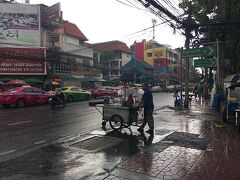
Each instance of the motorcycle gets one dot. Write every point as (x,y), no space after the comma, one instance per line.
(57,99)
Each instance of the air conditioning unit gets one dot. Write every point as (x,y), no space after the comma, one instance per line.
(12,1)
(27,1)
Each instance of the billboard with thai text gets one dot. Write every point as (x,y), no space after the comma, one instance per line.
(22,61)
(19,24)
(22,67)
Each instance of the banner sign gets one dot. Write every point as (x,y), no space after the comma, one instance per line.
(22,67)
(26,53)
(51,13)
(20,24)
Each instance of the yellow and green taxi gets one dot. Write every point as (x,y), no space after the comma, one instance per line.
(74,93)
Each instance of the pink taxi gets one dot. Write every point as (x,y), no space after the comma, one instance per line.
(25,95)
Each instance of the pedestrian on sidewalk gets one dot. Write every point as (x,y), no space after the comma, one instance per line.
(147,104)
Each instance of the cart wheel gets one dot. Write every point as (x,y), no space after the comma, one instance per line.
(116,122)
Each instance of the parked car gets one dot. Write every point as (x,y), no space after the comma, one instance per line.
(156,89)
(171,88)
(25,95)
(104,91)
(74,93)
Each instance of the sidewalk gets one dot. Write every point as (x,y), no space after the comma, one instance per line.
(202,149)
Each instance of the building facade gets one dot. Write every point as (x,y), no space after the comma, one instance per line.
(37,36)
(111,57)
(164,60)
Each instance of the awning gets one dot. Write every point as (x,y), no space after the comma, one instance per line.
(6,79)
(33,80)
(232,78)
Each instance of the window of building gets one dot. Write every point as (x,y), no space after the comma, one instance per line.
(115,72)
(114,64)
(149,54)
(118,55)
(158,53)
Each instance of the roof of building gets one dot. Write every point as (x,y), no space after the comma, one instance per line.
(135,64)
(72,30)
(110,46)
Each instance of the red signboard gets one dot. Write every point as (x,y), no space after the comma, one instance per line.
(52,13)
(22,67)
(29,53)
(139,50)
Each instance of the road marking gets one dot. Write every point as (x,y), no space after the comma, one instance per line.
(7,152)
(23,122)
(40,142)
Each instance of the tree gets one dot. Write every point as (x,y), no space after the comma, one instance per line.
(219,19)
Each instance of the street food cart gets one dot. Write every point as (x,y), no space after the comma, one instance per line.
(119,116)
(232,102)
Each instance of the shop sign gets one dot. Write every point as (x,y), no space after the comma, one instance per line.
(26,53)
(51,13)
(22,67)
(62,68)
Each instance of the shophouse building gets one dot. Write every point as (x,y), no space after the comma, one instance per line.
(110,57)
(164,60)
(69,61)
(35,42)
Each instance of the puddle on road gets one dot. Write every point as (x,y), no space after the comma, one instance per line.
(96,143)
(187,140)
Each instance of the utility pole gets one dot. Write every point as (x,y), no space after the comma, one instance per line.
(154,21)
(187,43)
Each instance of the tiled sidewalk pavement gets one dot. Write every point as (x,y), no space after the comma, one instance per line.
(221,159)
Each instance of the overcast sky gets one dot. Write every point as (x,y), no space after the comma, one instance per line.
(107,20)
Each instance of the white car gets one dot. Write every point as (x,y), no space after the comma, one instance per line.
(156,89)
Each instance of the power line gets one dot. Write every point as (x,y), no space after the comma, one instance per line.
(132,6)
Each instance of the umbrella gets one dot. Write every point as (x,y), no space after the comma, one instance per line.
(232,78)
(16,82)
(33,80)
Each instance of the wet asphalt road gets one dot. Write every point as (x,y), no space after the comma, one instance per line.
(30,127)
(40,143)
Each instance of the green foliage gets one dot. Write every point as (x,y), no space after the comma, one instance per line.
(212,12)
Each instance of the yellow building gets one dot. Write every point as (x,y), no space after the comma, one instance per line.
(153,51)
